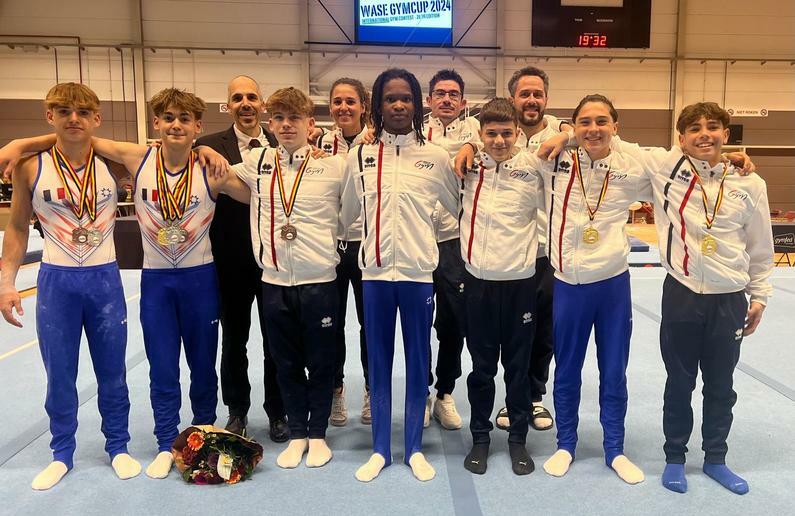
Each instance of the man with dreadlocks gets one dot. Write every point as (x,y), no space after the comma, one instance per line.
(395,184)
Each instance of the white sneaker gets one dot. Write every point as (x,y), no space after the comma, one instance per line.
(427,422)
(339,414)
(444,411)
(367,417)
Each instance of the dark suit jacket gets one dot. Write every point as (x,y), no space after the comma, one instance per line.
(230,232)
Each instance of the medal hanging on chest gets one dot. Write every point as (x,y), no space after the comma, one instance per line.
(84,200)
(709,244)
(590,235)
(288,232)
(173,202)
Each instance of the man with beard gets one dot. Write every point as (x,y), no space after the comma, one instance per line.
(238,272)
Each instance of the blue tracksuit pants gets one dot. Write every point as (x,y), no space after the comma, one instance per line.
(180,305)
(605,306)
(69,300)
(382,300)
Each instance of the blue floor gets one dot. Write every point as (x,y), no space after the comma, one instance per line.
(760,449)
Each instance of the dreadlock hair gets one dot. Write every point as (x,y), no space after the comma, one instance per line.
(416,95)
(361,91)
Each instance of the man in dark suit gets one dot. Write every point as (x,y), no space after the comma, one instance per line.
(239,275)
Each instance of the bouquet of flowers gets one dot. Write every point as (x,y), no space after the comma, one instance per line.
(210,455)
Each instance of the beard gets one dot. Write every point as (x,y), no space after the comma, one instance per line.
(528,120)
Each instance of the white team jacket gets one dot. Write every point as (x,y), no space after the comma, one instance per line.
(574,260)
(551,128)
(333,142)
(744,258)
(312,257)
(498,219)
(450,138)
(394,184)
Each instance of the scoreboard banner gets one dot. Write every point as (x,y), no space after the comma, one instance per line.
(407,22)
(591,23)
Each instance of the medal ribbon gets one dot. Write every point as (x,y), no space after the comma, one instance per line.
(173,203)
(87,187)
(591,212)
(287,205)
(718,201)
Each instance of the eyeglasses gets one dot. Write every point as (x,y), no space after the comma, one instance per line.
(440,94)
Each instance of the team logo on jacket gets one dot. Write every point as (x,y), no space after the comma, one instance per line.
(465,136)
(369,161)
(325,322)
(194,200)
(266,168)
(105,192)
(527,317)
(314,171)
(738,334)
(327,147)
(738,194)
(519,174)
(429,301)
(564,167)
(618,176)
(685,175)
(423,165)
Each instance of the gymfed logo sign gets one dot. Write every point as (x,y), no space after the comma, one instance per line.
(784,240)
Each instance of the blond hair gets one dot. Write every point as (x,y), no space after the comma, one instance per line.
(180,99)
(73,94)
(290,100)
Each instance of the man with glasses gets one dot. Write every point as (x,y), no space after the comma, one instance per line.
(446,128)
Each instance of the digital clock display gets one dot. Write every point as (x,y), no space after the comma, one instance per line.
(592,40)
(591,24)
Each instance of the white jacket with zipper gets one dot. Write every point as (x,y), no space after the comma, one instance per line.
(312,256)
(394,185)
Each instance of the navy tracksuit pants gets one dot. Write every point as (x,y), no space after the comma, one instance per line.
(382,300)
(605,306)
(500,326)
(69,300)
(450,324)
(301,325)
(180,306)
(706,331)
(348,271)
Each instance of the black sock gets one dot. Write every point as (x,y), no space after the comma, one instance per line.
(521,463)
(477,459)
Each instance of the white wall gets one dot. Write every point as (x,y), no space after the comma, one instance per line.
(713,29)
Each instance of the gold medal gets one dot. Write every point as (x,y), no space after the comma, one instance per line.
(288,232)
(162,236)
(80,236)
(709,245)
(590,235)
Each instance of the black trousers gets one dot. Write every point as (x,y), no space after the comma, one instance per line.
(448,285)
(348,272)
(301,323)
(699,330)
(543,349)
(239,286)
(501,319)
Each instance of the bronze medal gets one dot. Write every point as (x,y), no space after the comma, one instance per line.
(80,236)
(289,232)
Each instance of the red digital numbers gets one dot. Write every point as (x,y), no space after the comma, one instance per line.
(592,40)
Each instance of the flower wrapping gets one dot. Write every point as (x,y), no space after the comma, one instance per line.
(211,455)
